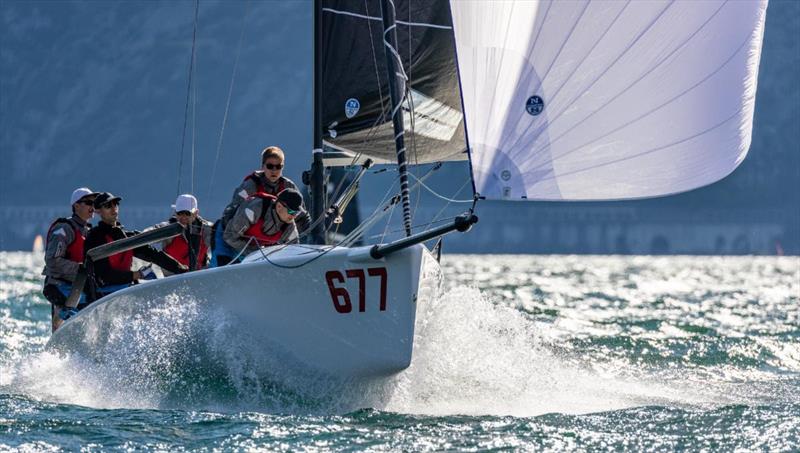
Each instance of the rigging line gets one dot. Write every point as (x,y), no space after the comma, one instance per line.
(188,96)
(420,225)
(456,194)
(374,58)
(361,16)
(194,123)
(230,95)
(442,197)
(381,209)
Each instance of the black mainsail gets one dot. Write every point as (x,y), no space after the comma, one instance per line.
(356,104)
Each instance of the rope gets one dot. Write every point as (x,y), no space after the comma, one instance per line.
(230,95)
(188,95)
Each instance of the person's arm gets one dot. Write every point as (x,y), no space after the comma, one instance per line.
(245,216)
(102,268)
(206,235)
(156,245)
(290,235)
(54,257)
(303,218)
(151,255)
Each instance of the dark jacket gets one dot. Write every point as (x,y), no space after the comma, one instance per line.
(104,274)
(250,186)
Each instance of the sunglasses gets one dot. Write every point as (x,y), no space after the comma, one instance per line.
(274,166)
(184,213)
(109,205)
(87,202)
(289,211)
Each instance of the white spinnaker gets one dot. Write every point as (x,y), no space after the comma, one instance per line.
(641,98)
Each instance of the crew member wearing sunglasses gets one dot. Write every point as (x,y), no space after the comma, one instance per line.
(64,254)
(264,220)
(269,180)
(190,248)
(114,273)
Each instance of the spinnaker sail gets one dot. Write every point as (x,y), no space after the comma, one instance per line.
(599,100)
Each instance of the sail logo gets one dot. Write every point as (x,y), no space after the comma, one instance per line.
(351,107)
(535,105)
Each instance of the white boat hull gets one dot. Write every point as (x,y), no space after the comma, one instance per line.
(333,311)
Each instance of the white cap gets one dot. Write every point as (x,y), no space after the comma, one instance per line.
(77,194)
(186,202)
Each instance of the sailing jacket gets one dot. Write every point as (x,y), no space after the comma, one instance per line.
(116,269)
(256,217)
(191,247)
(256,182)
(64,250)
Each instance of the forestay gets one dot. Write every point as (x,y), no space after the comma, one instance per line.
(593,100)
(356,109)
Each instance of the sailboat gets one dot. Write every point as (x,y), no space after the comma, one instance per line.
(544,100)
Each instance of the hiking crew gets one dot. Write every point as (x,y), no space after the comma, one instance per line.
(264,219)
(64,254)
(114,273)
(269,180)
(191,248)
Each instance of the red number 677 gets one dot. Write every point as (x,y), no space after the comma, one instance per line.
(340,296)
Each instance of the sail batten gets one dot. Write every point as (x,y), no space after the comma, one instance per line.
(597,100)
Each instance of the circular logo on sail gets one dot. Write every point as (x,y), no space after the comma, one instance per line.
(351,107)
(535,105)
(506,175)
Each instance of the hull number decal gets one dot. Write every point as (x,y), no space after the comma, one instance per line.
(341,297)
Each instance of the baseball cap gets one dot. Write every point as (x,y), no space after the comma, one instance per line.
(291,198)
(79,193)
(186,202)
(104,198)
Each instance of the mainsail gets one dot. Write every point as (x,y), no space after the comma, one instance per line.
(356,107)
(598,100)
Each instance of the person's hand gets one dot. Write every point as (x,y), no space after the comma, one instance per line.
(147,273)
(137,275)
(66,313)
(183,268)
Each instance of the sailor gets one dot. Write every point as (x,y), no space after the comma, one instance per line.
(114,273)
(264,219)
(268,180)
(192,246)
(64,254)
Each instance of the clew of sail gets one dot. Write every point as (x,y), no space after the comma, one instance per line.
(356,104)
(599,100)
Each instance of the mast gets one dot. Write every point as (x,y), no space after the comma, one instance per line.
(317,180)
(397,90)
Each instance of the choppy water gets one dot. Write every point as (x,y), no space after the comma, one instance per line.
(522,352)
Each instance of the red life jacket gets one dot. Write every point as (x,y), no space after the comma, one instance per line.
(260,188)
(75,249)
(255,229)
(120,261)
(178,248)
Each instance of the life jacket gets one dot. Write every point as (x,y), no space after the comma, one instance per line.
(120,261)
(75,249)
(178,248)
(255,229)
(260,188)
